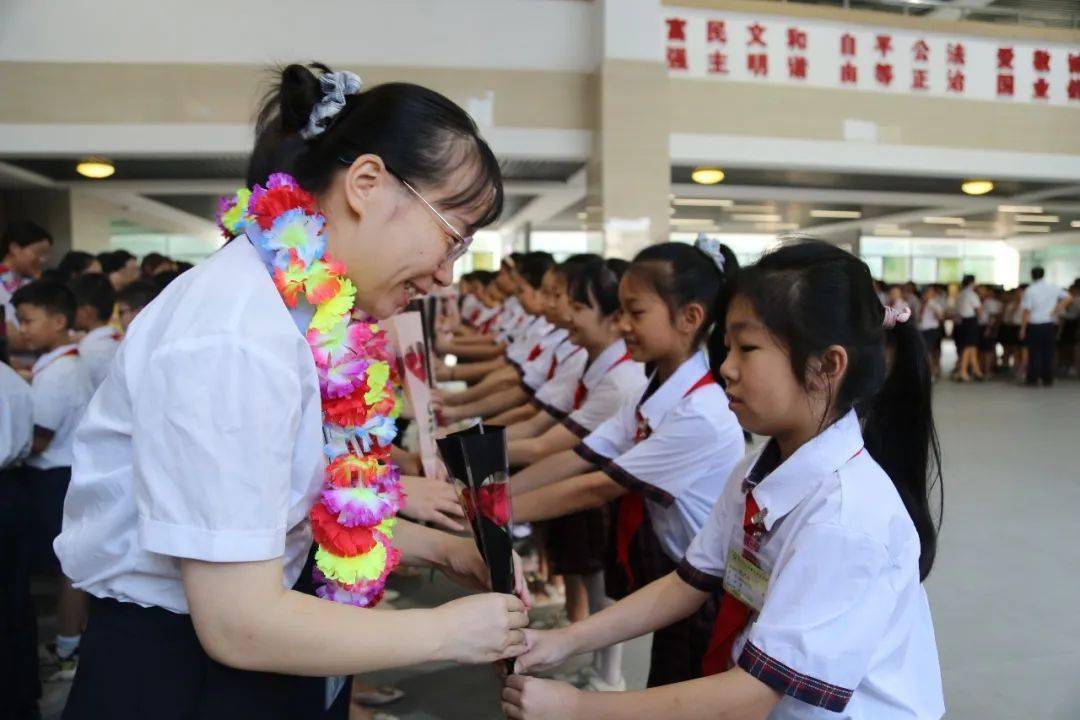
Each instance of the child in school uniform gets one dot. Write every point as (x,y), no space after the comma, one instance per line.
(60,388)
(664,455)
(94,303)
(611,375)
(821,540)
(20,685)
(133,299)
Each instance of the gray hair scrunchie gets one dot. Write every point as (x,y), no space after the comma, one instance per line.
(711,247)
(335,86)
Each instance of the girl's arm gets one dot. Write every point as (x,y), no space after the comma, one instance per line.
(582,492)
(487,406)
(661,603)
(531,428)
(549,470)
(557,439)
(733,695)
(521,413)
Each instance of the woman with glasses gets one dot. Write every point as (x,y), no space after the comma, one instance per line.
(245,401)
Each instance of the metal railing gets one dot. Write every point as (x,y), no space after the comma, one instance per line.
(1069,17)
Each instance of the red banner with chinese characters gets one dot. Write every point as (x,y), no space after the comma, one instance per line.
(739,47)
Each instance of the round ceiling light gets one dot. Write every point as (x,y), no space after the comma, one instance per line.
(707,175)
(95,168)
(977,187)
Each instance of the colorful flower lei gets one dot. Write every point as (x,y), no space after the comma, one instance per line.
(353,519)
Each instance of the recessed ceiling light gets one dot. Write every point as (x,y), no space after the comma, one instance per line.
(1075,223)
(707,175)
(1037,218)
(835,214)
(96,168)
(751,208)
(769,227)
(1032,228)
(1019,209)
(977,187)
(886,231)
(702,202)
(691,221)
(756,218)
(582,216)
(935,220)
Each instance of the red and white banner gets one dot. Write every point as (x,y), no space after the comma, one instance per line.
(738,47)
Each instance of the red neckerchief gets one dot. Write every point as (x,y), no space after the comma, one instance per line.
(555,357)
(69,351)
(632,505)
(582,392)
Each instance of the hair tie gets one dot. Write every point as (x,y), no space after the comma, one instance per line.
(335,86)
(712,248)
(896,315)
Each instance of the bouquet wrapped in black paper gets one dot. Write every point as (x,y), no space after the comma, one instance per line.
(477,461)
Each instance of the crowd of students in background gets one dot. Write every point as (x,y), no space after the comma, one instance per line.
(1027,334)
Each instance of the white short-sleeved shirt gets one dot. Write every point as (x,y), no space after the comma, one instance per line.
(471,307)
(173,461)
(513,314)
(1041,298)
(845,630)
(97,350)
(992,308)
(968,303)
(534,373)
(9,283)
(556,395)
(16,416)
(61,390)
(931,314)
(681,467)
(534,330)
(610,380)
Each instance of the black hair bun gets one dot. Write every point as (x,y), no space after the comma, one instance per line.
(298,93)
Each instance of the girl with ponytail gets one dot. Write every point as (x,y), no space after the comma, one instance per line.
(820,542)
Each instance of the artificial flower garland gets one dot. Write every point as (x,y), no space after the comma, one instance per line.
(353,519)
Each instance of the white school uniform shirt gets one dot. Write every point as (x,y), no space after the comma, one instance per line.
(845,629)
(60,389)
(992,308)
(931,314)
(609,381)
(534,372)
(513,314)
(176,461)
(16,416)
(681,467)
(531,333)
(556,395)
(97,349)
(1041,298)
(471,307)
(968,303)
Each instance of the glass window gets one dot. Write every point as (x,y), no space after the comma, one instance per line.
(923,270)
(876,266)
(896,270)
(948,270)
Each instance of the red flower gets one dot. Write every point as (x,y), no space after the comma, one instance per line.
(350,410)
(338,539)
(267,206)
(494,502)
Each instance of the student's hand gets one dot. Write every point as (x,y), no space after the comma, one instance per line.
(463,564)
(432,501)
(483,628)
(521,583)
(441,473)
(529,698)
(545,649)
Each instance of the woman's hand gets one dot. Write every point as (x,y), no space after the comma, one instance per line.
(545,649)
(529,698)
(462,564)
(483,628)
(432,501)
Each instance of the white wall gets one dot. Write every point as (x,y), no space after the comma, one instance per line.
(515,34)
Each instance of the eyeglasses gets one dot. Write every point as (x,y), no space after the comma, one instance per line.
(459,242)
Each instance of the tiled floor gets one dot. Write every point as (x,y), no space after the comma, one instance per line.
(1005,592)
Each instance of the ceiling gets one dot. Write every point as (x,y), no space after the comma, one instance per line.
(1035,13)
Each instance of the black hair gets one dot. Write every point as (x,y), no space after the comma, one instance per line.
(94,290)
(114,261)
(811,295)
(532,266)
(682,274)
(54,297)
(74,263)
(152,262)
(162,280)
(484,277)
(1038,273)
(22,234)
(421,136)
(53,276)
(597,285)
(968,280)
(138,294)
(511,261)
